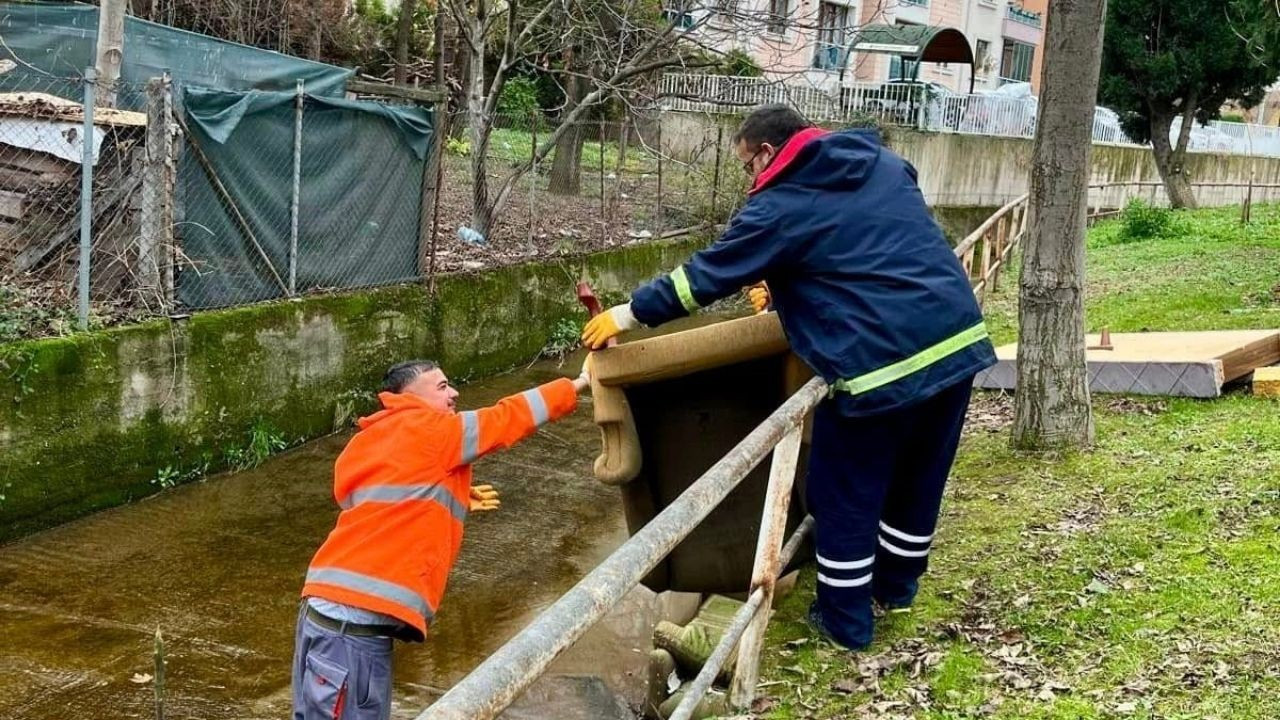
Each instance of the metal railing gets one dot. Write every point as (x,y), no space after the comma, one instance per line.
(492,686)
(1232,137)
(910,104)
(983,115)
(914,104)
(1026,17)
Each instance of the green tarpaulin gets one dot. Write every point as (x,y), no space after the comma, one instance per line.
(52,43)
(360,195)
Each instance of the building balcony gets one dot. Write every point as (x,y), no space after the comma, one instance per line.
(1026,17)
(912,11)
(1023,25)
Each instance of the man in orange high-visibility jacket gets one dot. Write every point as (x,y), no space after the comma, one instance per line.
(404,486)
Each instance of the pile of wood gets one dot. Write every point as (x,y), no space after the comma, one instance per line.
(40,198)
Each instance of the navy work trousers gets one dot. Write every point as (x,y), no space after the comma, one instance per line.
(874,489)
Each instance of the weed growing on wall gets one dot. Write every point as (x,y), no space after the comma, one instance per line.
(262,441)
(564,338)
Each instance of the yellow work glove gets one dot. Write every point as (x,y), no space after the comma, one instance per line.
(759,296)
(617,319)
(484,497)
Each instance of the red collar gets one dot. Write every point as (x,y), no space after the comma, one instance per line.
(784,157)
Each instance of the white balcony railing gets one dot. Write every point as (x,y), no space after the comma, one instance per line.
(924,107)
(1025,17)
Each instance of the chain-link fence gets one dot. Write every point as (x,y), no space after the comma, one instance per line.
(42,152)
(220,198)
(283,194)
(603,183)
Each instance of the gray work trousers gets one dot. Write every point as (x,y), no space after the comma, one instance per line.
(338,676)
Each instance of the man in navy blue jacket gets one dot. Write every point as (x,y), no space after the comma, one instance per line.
(874,300)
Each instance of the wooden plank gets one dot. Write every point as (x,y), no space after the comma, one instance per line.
(20,180)
(418,95)
(1244,360)
(43,106)
(13,204)
(35,161)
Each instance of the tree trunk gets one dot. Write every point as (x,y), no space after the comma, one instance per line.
(566,168)
(1051,406)
(404,33)
(1171,160)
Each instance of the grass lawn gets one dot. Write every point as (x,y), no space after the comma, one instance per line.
(1138,580)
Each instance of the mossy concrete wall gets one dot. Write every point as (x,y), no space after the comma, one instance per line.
(982,171)
(99,419)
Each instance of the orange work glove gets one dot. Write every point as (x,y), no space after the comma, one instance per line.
(759,296)
(484,497)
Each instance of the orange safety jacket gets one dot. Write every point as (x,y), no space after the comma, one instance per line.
(404,484)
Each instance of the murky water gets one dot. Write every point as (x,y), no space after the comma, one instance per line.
(218,565)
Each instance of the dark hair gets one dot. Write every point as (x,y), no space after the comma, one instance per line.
(774,124)
(401,374)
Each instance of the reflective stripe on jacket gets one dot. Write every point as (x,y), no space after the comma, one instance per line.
(403,483)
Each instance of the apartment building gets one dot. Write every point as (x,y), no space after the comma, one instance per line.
(809,39)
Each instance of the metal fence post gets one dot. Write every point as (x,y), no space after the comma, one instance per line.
(604,225)
(297,189)
(715,181)
(533,169)
(86,196)
(658,208)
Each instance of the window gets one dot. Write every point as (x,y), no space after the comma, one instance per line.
(921,3)
(778,10)
(1015,62)
(981,55)
(833,23)
(677,12)
(902,68)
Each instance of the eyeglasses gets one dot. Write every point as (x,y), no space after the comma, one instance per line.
(747,166)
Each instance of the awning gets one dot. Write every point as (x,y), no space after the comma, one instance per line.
(927,43)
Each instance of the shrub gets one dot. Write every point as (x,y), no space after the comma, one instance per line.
(1142,221)
(458,146)
(519,100)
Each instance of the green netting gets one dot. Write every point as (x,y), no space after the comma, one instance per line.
(360,195)
(55,40)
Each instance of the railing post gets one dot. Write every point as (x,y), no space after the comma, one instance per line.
(86,196)
(1002,237)
(985,267)
(295,204)
(764,575)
